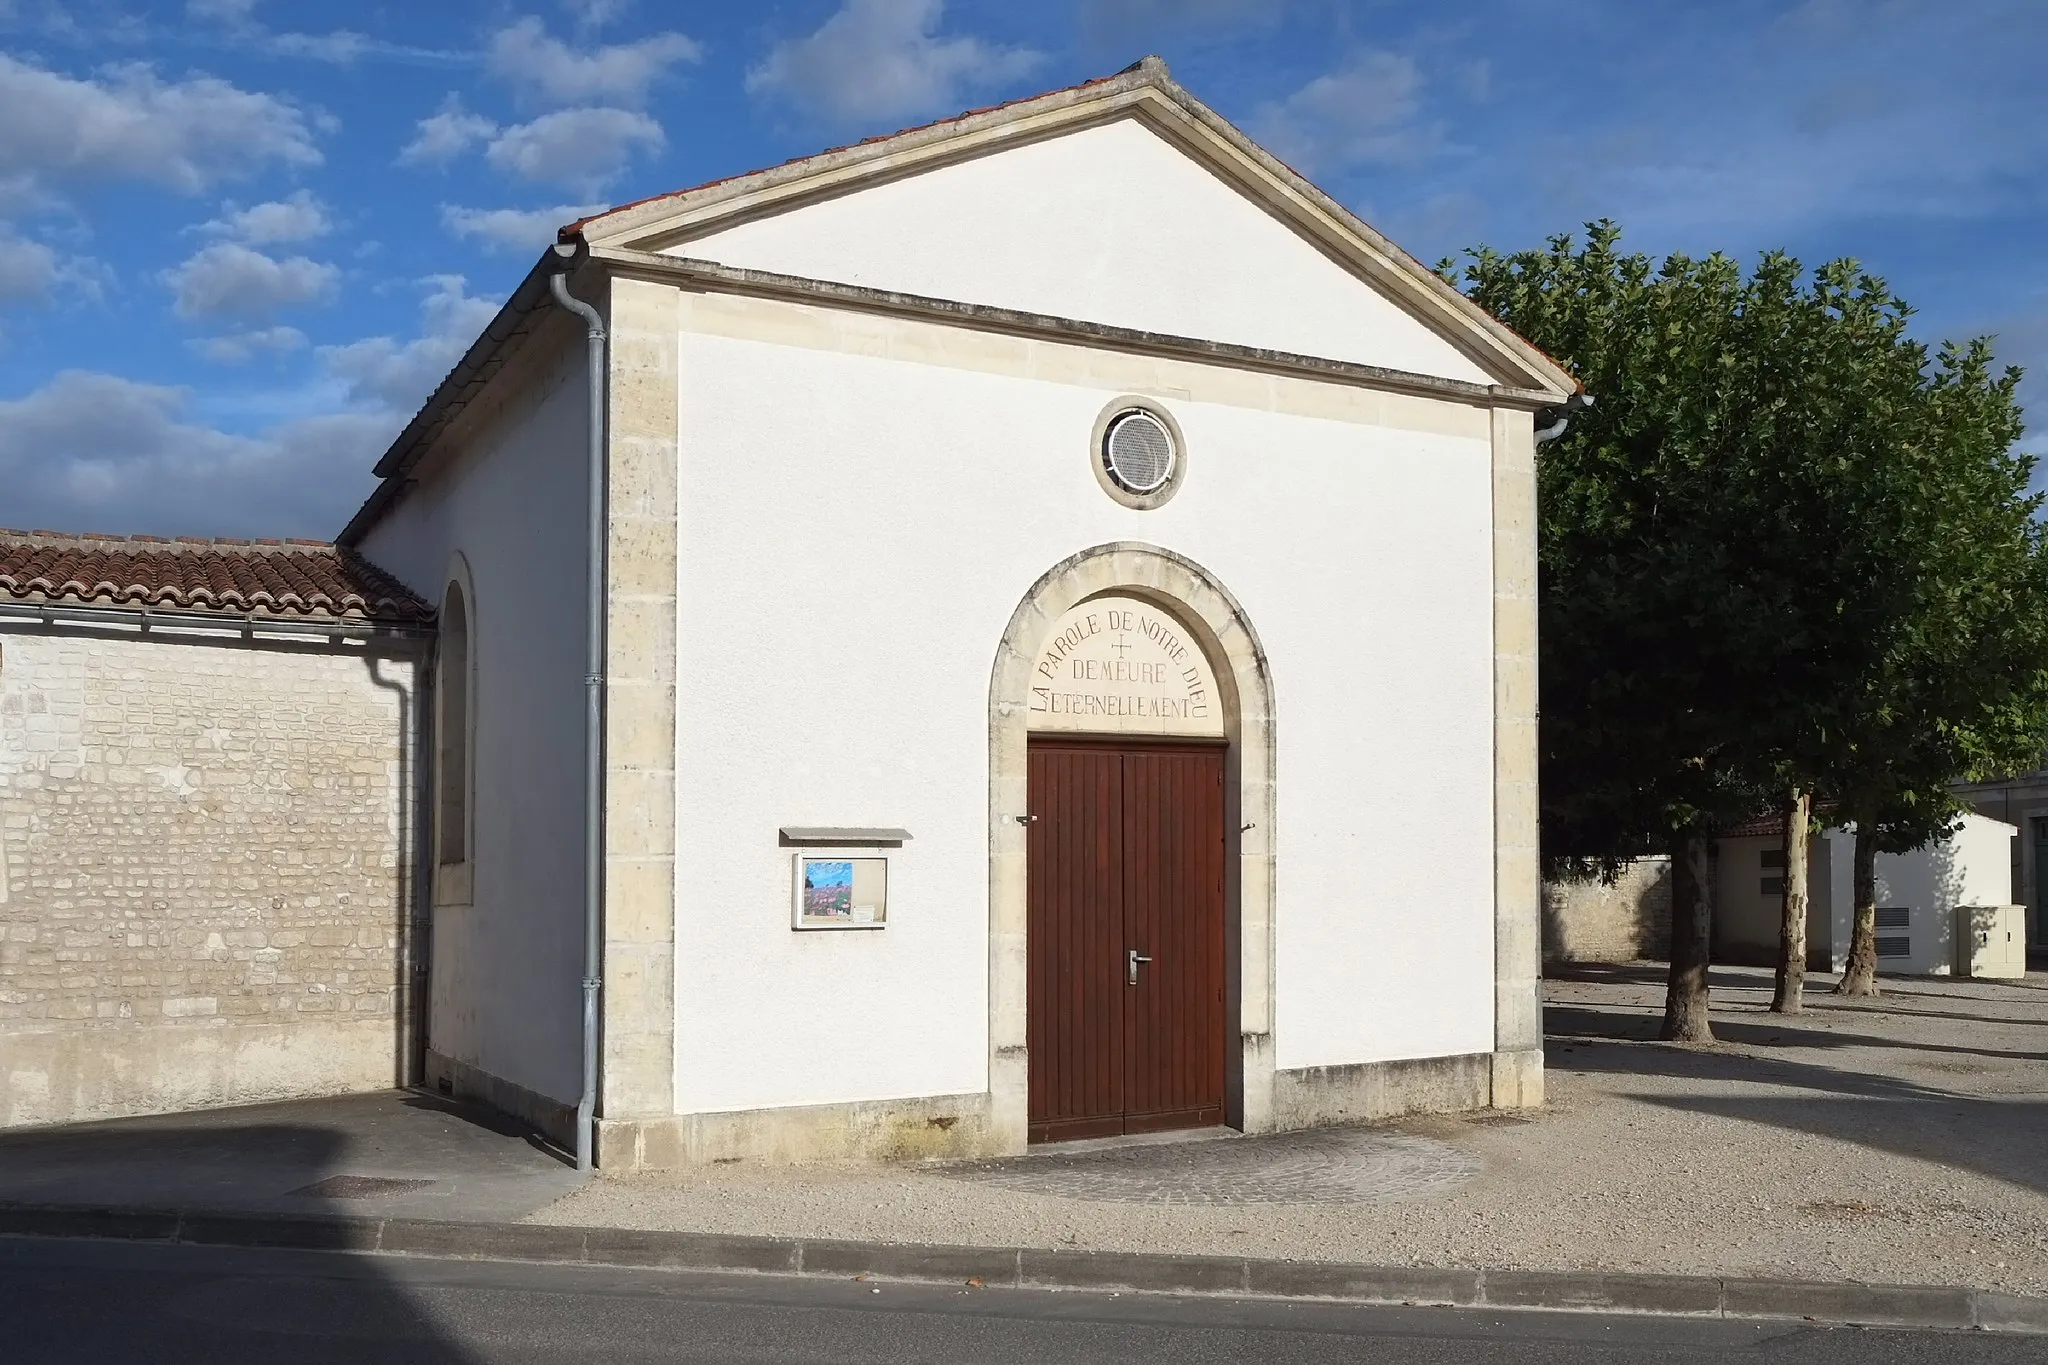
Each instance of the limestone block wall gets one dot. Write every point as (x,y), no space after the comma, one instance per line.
(204,872)
(1592,921)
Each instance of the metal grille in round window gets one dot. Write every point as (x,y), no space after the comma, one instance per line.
(1138,453)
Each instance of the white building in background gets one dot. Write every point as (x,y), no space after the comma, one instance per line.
(1946,907)
(2021,802)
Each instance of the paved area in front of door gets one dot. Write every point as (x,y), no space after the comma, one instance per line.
(391,1154)
(1330,1166)
(1903,1139)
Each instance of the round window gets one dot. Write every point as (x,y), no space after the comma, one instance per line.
(1138,452)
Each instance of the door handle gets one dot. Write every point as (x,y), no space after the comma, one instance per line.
(1131,979)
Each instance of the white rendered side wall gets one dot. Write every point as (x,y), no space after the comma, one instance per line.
(855,534)
(1111,224)
(506,967)
(1982,862)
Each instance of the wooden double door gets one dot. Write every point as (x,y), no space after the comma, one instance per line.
(1126,937)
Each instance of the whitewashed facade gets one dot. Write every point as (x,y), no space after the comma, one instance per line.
(855,422)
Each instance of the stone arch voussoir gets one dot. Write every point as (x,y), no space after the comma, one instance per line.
(1214,617)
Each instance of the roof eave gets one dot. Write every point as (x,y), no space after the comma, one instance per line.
(714,277)
(499,341)
(1145,90)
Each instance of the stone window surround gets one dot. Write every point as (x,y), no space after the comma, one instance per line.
(1151,407)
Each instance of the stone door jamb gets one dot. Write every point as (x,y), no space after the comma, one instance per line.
(1213,617)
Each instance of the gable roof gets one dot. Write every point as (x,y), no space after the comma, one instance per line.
(1145,91)
(300,579)
(631,236)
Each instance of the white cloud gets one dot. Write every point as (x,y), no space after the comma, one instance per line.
(399,375)
(579,149)
(221,11)
(240,28)
(298,217)
(340,47)
(28,270)
(526,230)
(33,271)
(877,59)
(237,347)
(1126,19)
(228,279)
(1363,112)
(545,68)
(92,451)
(128,124)
(446,134)
(596,13)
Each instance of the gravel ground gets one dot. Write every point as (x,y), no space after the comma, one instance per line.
(1903,1139)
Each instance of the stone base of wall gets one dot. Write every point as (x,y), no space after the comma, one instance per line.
(1323,1096)
(960,1126)
(868,1130)
(1518,1079)
(552,1119)
(77,1075)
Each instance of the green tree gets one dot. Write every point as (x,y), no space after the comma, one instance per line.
(1961,690)
(1735,545)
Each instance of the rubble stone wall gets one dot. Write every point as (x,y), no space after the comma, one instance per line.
(1622,921)
(204,872)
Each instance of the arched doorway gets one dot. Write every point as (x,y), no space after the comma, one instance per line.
(1131,854)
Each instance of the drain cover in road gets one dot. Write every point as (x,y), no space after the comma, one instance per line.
(359,1187)
(1329,1167)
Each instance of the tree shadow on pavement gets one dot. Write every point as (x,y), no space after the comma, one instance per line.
(2005,1141)
(1572,1021)
(1643,974)
(1827,1003)
(2002,1138)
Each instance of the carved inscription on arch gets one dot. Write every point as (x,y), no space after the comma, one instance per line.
(1117,665)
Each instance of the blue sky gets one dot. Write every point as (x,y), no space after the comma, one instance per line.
(240,240)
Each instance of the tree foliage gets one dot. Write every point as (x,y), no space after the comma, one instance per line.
(1785,550)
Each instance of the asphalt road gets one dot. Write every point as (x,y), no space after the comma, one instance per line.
(105,1301)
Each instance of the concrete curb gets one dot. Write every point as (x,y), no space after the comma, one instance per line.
(1872,1305)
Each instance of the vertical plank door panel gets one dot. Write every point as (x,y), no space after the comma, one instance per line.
(1074,945)
(1174,912)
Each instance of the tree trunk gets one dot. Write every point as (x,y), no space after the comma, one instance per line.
(1792,915)
(1860,976)
(1692,924)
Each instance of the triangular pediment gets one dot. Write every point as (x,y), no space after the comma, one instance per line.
(1125,203)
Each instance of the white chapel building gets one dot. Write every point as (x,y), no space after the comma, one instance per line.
(1064,658)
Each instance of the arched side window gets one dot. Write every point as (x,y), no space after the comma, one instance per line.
(452,767)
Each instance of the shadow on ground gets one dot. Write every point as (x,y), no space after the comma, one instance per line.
(395,1154)
(1572,1021)
(392,1154)
(2003,1136)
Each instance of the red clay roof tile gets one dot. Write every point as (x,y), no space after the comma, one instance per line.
(306,579)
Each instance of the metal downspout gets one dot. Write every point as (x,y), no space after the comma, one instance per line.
(567,256)
(1562,417)
(425,738)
